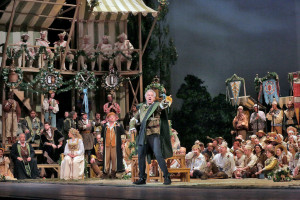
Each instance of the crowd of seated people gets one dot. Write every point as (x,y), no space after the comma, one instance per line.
(118,53)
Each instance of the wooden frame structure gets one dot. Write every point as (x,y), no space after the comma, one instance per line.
(137,91)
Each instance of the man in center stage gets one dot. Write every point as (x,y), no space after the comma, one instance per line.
(154,136)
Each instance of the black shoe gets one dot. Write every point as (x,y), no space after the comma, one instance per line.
(141,181)
(167,181)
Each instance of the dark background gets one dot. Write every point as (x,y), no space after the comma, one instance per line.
(218,38)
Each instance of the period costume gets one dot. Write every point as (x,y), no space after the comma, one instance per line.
(68,124)
(225,163)
(24,169)
(250,163)
(52,136)
(41,42)
(107,51)
(73,168)
(271,165)
(116,108)
(4,167)
(154,136)
(34,126)
(61,45)
(276,120)
(87,135)
(257,121)
(88,49)
(50,113)
(290,117)
(112,147)
(197,165)
(123,45)
(239,162)
(28,56)
(97,154)
(240,123)
(97,125)
(127,118)
(12,113)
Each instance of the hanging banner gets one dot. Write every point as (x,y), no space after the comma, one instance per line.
(234,84)
(235,87)
(270,91)
(296,92)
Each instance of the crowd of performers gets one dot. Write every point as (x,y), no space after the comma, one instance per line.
(104,144)
(86,48)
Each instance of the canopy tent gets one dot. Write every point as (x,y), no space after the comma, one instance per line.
(29,14)
(124,7)
(109,17)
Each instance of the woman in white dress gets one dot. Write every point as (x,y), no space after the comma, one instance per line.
(72,166)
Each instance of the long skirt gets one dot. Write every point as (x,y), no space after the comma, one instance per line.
(72,168)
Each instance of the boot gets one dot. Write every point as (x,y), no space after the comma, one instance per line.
(9,140)
(14,139)
(113,174)
(167,180)
(96,170)
(141,181)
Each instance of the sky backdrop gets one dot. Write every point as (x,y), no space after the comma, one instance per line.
(217,38)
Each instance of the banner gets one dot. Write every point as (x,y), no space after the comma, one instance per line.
(235,87)
(270,91)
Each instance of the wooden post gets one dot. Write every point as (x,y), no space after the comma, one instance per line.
(140,56)
(42,111)
(149,34)
(8,33)
(3,117)
(70,34)
(127,97)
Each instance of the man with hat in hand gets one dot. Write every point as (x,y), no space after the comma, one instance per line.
(85,128)
(50,107)
(111,134)
(240,123)
(275,116)
(257,119)
(154,135)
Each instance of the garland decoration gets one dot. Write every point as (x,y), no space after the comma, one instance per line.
(12,76)
(156,86)
(282,175)
(112,80)
(85,79)
(13,54)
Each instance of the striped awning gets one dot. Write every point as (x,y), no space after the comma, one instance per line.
(123,7)
(28,14)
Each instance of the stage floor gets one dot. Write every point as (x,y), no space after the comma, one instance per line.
(124,189)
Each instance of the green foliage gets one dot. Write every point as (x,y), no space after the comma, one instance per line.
(200,114)
(160,54)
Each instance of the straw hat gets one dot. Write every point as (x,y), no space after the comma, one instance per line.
(260,131)
(282,147)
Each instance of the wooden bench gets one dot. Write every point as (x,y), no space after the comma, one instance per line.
(184,173)
(56,167)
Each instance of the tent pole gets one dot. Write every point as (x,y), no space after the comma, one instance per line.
(8,33)
(149,35)
(70,34)
(140,56)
